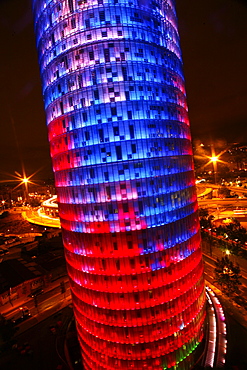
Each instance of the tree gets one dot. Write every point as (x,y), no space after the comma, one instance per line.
(224,192)
(34,202)
(62,287)
(203,212)
(232,237)
(4,214)
(227,275)
(205,218)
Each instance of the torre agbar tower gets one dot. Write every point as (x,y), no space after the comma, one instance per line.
(118,128)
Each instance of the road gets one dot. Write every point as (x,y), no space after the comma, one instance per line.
(236,356)
(226,201)
(38,218)
(49,298)
(209,266)
(46,341)
(224,208)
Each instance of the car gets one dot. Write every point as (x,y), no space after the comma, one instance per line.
(19,315)
(36,292)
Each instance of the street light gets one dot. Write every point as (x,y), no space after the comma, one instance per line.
(25,181)
(214,159)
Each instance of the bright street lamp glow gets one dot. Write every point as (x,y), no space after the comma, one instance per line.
(214,159)
(25,180)
(228,252)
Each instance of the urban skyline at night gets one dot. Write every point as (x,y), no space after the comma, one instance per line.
(212,35)
(123,186)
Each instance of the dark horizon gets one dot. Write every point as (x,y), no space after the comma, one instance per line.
(212,37)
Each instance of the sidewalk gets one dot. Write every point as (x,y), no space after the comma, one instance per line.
(23,301)
(231,307)
(216,252)
(38,317)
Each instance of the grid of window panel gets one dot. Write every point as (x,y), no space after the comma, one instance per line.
(118,128)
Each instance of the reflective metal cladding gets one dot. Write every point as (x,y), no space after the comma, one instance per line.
(118,127)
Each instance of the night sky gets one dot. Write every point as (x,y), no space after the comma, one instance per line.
(214,45)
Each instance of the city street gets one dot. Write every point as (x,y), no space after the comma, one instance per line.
(123,185)
(209,266)
(50,298)
(236,317)
(41,347)
(47,336)
(44,333)
(237,344)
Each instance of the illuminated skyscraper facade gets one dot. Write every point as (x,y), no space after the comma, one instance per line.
(120,144)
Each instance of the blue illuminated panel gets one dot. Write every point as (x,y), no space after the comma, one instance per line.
(120,144)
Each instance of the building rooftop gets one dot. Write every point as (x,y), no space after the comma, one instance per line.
(12,273)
